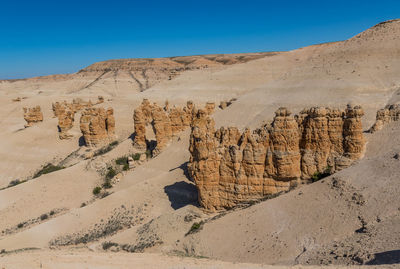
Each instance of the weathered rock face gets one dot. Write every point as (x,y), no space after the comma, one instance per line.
(386,115)
(97,126)
(166,122)
(65,113)
(32,115)
(65,123)
(230,167)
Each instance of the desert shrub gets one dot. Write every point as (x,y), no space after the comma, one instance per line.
(106,245)
(122,160)
(110,173)
(48,168)
(320,175)
(148,154)
(44,217)
(52,212)
(136,156)
(96,190)
(126,167)
(84,204)
(195,227)
(15,182)
(106,149)
(20,225)
(107,184)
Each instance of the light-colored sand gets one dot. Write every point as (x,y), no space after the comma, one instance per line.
(292,228)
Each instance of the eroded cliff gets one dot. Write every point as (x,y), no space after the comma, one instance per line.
(32,115)
(166,122)
(230,167)
(97,126)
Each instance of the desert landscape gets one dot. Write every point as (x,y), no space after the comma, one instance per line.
(287,159)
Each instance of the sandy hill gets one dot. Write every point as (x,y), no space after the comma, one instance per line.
(351,217)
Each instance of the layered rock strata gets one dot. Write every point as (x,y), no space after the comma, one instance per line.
(230,167)
(32,115)
(166,122)
(386,115)
(97,126)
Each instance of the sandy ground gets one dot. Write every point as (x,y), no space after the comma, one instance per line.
(153,206)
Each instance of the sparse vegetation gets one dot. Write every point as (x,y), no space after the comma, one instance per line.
(125,167)
(107,184)
(136,156)
(197,226)
(20,225)
(106,245)
(96,191)
(110,173)
(106,149)
(320,175)
(122,160)
(48,168)
(15,182)
(44,217)
(148,154)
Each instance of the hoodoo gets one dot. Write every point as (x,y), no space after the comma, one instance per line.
(97,126)
(32,115)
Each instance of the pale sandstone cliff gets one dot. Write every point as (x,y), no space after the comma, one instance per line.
(65,112)
(32,115)
(166,122)
(97,126)
(384,116)
(230,167)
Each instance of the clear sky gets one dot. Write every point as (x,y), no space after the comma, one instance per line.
(58,36)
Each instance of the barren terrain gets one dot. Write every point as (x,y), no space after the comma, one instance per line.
(55,221)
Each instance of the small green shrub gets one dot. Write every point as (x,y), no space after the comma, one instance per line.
(126,167)
(106,149)
(52,212)
(20,225)
(110,173)
(48,168)
(107,184)
(121,160)
(108,244)
(96,190)
(195,227)
(136,156)
(44,217)
(148,154)
(320,175)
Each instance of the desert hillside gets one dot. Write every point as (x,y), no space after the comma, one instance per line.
(140,158)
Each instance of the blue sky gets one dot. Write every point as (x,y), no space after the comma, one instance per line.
(52,37)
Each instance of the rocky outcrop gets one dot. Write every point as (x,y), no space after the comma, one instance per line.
(386,115)
(97,126)
(230,167)
(166,122)
(32,115)
(65,112)
(65,123)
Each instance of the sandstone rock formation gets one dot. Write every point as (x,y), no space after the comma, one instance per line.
(166,122)
(97,126)
(386,115)
(32,115)
(65,112)
(65,123)
(230,167)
